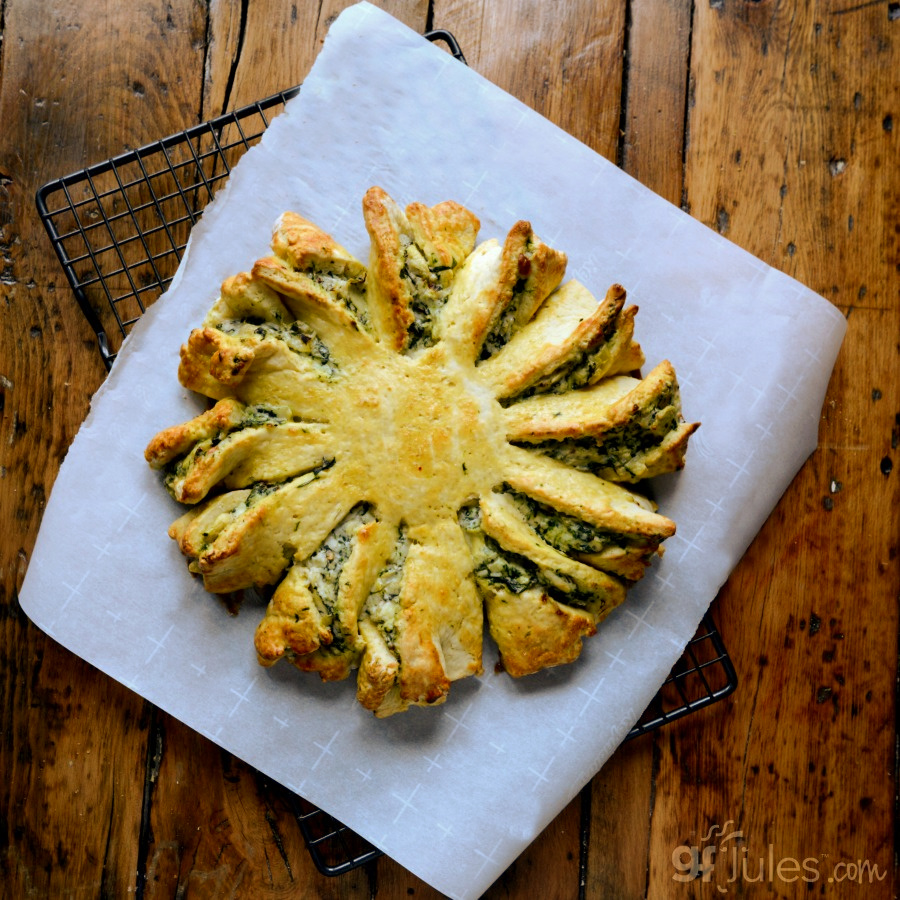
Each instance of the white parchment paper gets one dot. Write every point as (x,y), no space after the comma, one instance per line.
(453,793)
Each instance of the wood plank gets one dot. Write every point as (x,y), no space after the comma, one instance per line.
(655,97)
(392,880)
(619,835)
(73,773)
(551,861)
(564,60)
(257,49)
(787,156)
(79,83)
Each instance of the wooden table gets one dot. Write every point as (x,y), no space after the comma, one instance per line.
(771,122)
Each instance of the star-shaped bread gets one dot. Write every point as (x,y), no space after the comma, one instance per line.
(399,451)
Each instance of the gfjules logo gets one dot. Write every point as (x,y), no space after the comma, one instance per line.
(723,857)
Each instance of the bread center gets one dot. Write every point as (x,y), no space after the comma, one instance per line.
(424,426)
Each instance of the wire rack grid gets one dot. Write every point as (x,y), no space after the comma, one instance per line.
(120,228)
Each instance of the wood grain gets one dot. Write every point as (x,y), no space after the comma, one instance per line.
(256,49)
(565,61)
(654,101)
(772,123)
(794,173)
(218,828)
(74,742)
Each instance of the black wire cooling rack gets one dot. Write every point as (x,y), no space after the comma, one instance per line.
(120,228)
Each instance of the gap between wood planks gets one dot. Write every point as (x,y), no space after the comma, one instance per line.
(155,749)
(235,60)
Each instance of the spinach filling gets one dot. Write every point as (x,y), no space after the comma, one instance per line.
(565,533)
(255,417)
(382,606)
(324,567)
(498,568)
(617,451)
(502,330)
(429,287)
(297,336)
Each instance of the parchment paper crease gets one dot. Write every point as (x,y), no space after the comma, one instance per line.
(453,793)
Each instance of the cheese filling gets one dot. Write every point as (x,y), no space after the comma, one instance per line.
(324,567)
(496,569)
(382,606)
(298,336)
(614,453)
(429,288)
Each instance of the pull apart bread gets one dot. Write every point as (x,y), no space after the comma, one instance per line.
(397,450)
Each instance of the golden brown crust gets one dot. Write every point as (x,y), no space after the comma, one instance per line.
(446,232)
(439,638)
(623,429)
(473,301)
(265,453)
(599,502)
(378,669)
(313,616)
(301,292)
(257,368)
(388,295)
(179,439)
(293,623)
(195,364)
(533,631)
(572,342)
(405,449)
(244,297)
(197,529)
(305,246)
(561,573)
